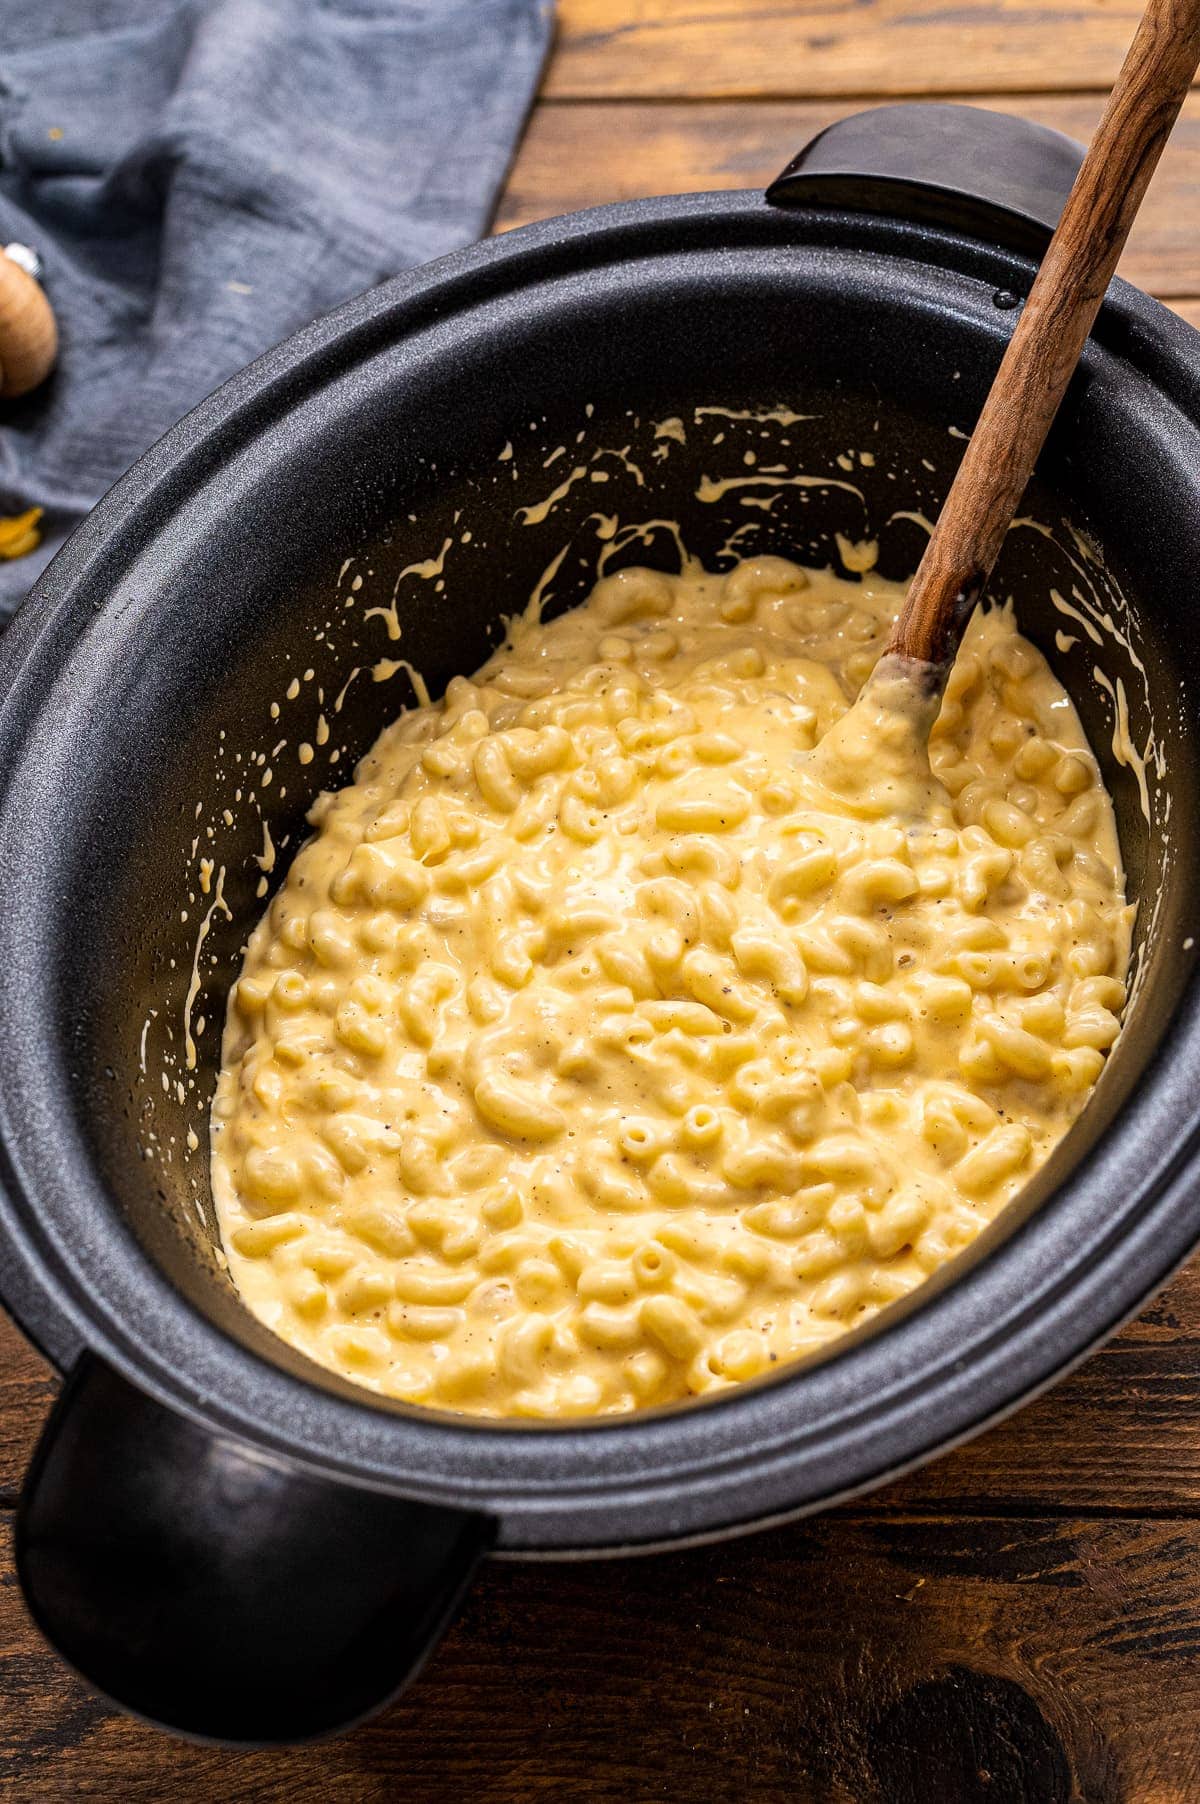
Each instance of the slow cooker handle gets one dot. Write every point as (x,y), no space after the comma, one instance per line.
(988,175)
(216,1590)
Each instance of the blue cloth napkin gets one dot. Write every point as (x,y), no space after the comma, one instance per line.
(201,177)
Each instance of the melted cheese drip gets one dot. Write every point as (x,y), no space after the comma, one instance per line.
(605,1046)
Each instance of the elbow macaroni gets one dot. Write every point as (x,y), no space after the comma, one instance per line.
(598,1052)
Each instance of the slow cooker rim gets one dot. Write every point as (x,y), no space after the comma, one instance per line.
(623,1508)
(42,627)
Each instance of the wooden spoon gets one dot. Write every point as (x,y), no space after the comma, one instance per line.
(1046,345)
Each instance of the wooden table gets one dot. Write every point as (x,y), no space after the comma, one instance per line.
(1021,1621)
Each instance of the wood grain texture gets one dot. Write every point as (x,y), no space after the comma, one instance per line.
(28,1387)
(1120,1434)
(844,1661)
(583,156)
(655,49)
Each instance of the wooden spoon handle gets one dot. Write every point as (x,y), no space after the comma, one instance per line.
(1049,335)
(28,334)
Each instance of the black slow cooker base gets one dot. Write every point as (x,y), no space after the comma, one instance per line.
(264,605)
(155,698)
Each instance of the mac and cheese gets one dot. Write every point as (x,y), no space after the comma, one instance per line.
(602,1049)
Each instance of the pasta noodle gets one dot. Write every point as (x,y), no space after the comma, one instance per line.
(600,1050)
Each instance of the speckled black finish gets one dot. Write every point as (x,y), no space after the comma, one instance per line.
(984,174)
(175,610)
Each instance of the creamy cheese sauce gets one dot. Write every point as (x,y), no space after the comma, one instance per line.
(606,1046)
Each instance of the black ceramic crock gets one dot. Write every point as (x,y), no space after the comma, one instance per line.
(216,1533)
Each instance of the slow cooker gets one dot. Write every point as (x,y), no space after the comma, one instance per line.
(215,1532)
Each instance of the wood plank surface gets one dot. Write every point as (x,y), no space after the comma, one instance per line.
(1119,1434)
(582,156)
(656,49)
(845,1661)
(27,1388)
